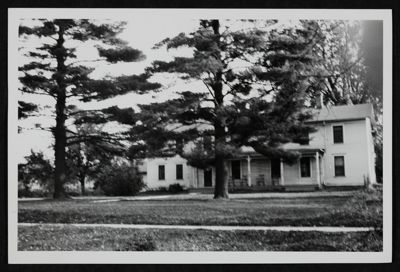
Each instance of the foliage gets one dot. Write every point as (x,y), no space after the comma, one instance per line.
(378,147)
(36,169)
(24,109)
(84,159)
(343,78)
(175,188)
(54,70)
(259,106)
(119,180)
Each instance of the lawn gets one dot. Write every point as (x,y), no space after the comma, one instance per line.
(361,209)
(95,239)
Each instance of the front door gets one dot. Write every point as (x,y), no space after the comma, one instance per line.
(208,178)
(235,170)
(275,171)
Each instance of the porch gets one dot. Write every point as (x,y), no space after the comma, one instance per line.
(255,172)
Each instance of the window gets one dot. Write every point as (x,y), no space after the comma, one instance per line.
(337,134)
(305,167)
(179,171)
(339,166)
(161,172)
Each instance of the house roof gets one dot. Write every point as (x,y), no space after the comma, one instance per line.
(344,112)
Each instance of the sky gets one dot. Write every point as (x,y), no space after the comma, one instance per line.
(143,36)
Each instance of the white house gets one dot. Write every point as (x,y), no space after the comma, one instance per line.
(339,153)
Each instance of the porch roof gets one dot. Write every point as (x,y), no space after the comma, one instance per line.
(303,149)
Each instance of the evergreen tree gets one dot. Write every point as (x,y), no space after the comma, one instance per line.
(55,71)
(259,106)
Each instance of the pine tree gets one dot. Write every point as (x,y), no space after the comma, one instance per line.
(55,71)
(259,106)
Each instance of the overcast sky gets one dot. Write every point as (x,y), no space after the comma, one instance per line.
(144,36)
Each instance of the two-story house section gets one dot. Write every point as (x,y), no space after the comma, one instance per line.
(339,153)
(345,133)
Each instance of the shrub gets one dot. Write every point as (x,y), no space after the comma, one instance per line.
(23,193)
(175,188)
(119,180)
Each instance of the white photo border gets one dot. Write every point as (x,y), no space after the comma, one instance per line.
(86,257)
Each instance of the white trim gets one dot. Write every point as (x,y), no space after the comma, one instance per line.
(317,166)
(370,151)
(248,170)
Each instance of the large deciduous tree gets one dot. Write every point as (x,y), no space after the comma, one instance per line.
(343,77)
(86,158)
(54,70)
(255,82)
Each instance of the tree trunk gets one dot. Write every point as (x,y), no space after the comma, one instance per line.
(82,182)
(221,182)
(60,131)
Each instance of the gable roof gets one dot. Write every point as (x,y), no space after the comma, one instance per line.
(344,112)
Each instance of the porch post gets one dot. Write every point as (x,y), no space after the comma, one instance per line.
(282,174)
(318,172)
(248,170)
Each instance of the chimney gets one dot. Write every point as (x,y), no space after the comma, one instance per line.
(319,100)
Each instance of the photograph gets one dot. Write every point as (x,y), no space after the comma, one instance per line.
(205,136)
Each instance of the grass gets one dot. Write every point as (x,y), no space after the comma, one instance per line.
(361,209)
(95,239)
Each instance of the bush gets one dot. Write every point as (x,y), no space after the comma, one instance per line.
(23,193)
(119,180)
(175,188)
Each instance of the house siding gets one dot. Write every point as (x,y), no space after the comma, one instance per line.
(357,149)
(355,152)
(151,177)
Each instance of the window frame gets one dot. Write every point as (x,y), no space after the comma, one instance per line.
(181,171)
(333,133)
(335,166)
(159,176)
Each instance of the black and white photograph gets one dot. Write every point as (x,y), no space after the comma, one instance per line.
(204,136)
